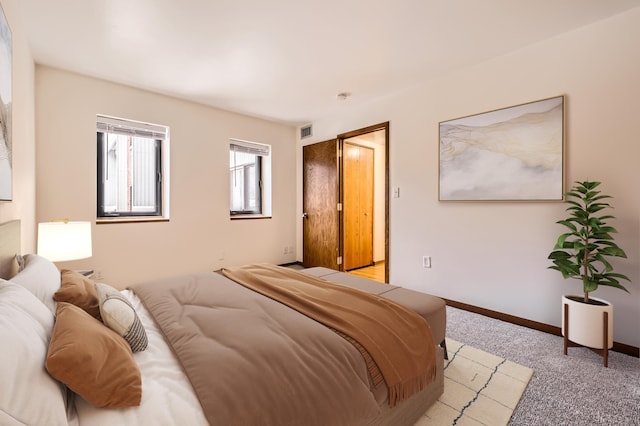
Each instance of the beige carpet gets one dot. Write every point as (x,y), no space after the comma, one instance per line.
(479,389)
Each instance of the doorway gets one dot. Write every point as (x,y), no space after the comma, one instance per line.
(336,234)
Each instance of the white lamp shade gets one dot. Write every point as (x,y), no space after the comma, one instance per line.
(61,241)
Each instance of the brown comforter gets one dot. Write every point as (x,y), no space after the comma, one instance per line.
(397,339)
(254,361)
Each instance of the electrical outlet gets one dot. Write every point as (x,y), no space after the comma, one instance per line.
(285,250)
(426,261)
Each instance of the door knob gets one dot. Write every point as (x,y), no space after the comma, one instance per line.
(305,215)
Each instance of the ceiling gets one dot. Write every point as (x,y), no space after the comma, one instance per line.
(287,60)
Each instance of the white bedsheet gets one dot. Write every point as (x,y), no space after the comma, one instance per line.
(167,395)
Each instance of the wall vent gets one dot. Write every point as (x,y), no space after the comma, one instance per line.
(305,131)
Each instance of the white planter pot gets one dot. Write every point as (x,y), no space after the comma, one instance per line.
(586,322)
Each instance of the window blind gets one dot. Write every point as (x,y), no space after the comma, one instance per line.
(131,128)
(250,147)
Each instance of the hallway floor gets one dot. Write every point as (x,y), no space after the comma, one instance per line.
(375,272)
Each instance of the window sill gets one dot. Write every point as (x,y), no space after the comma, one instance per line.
(248,216)
(130,219)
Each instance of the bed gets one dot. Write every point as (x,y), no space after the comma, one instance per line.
(291,369)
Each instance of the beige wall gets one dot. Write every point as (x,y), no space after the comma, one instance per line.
(494,254)
(23,205)
(200,236)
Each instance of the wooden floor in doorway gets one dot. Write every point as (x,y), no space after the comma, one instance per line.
(375,272)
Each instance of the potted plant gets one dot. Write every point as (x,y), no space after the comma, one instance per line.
(582,254)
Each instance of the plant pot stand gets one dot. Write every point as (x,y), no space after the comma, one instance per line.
(604,352)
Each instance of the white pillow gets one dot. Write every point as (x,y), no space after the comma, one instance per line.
(119,315)
(28,394)
(41,277)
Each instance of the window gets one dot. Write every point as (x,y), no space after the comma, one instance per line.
(132,169)
(249,178)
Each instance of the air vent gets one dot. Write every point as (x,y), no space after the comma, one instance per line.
(305,131)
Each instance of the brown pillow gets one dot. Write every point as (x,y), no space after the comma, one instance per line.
(92,360)
(78,290)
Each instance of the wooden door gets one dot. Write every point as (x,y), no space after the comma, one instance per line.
(320,223)
(358,205)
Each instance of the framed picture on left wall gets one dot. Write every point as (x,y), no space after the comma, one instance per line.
(6,146)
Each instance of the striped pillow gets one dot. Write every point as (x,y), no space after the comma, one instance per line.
(119,315)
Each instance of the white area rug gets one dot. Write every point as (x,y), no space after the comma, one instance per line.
(479,388)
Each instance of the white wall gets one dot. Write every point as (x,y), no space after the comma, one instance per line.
(23,205)
(200,232)
(493,255)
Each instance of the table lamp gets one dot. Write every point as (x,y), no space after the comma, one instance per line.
(64,240)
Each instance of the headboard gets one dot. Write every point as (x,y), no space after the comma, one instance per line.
(9,247)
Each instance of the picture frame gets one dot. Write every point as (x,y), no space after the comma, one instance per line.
(509,154)
(6,144)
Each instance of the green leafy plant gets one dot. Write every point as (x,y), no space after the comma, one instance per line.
(582,252)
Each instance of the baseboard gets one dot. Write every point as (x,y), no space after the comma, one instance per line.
(287,265)
(618,347)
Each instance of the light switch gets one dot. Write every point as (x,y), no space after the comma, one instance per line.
(396,192)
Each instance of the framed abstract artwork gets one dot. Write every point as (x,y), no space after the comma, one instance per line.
(509,154)
(6,173)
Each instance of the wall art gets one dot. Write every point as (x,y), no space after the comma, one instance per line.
(509,154)
(6,147)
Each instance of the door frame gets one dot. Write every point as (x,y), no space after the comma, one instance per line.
(341,137)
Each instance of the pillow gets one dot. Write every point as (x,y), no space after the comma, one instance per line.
(118,313)
(28,395)
(20,262)
(41,277)
(78,290)
(92,360)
